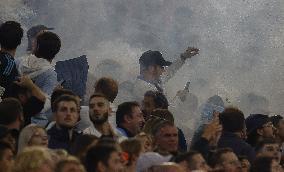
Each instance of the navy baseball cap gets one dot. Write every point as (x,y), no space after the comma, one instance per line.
(150,57)
(33,31)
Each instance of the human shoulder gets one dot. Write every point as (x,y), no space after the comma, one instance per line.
(6,59)
(143,86)
(92,131)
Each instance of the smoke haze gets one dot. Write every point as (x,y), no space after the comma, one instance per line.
(241,42)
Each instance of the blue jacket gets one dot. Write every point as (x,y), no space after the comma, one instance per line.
(43,75)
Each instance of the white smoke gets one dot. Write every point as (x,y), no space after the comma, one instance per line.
(240,42)
(14,10)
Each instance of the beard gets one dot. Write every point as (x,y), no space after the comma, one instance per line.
(99,119)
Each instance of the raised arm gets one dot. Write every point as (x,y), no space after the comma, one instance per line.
(178,63)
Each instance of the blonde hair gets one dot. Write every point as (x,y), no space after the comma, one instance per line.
(144,135)
(58,154)
(69,160)
(148,127)
(32,158)
(141,136)
(26,135)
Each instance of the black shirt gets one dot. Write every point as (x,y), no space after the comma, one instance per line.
(239,146)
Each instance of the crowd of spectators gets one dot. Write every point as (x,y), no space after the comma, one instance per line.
(46,128)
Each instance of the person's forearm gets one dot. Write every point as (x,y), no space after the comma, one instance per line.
(36,91)
(172,69)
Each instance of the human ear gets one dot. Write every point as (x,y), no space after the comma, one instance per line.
(259,131)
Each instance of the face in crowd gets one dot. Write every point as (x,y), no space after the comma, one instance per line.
(39,138)
(230,162)
(67,114)
(267,130)
(271,150)
(135,121)
(197,163)
(167,138)
(280,129)
(99,110)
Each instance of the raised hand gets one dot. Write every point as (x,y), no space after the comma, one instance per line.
(212,131)
(25,81)
(190,52)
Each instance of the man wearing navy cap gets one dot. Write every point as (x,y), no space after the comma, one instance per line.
(153,74)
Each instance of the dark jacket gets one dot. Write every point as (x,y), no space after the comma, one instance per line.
(202,146)
(182,145)
(59,138)
(239,146)
(32,107)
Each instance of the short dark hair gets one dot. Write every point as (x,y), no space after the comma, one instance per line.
(11,35)
(262,164)
(98,95)
(124,109)
(217,156)
(10,110)
(98,154)
(263,142)
(16,90)
(163,114)
(3,147)
(159,99)
(188,157)
(108,87)
(232,120)
(65,97)
(106,141)
(275,119)
(59,92)
(81,145)
(48,45)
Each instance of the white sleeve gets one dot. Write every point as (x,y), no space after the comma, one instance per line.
(171,70)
